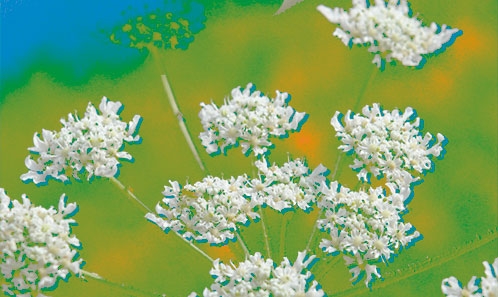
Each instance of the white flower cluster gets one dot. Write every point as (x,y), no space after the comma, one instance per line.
(291,186)
(387,143)
(258,277)
(487,286)
(92,144)
(37,246)
(248,119)
(365,226)
(389,30)
(210,210)
(205,211)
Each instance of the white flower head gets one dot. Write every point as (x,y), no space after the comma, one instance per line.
(257,276)
(207,211)
(389,30)
(387,144)
(290,186)
(247,118)
(91,145)
(37,246)
(364,226)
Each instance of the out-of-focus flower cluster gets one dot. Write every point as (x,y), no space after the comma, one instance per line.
(387,144)
(486,286)
(389,30)
(171,26)
(259,277)
(210,210)
(37,246)
(366,227)
(249,118)
(91,145)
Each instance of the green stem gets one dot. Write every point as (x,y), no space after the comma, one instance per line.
(128,288)
(371,78)
(181,120)
(135,198)
(129,193)
(328,265)
(243,244)
(265,234)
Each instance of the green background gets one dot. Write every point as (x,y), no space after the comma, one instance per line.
(455,208)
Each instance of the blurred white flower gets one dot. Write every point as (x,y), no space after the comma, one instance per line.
(389,30)
(486,286)
(257,276)
(90,145)
(387,144)
(489,283)
(249,119)
(37,246)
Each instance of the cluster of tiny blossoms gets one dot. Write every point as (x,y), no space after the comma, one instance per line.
(210,210)
(387,143)
(37,246)
(365,226)
(259,277)
(389,30)
(92,144)
(487,286)
(249,119)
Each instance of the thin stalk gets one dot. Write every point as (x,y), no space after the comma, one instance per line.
(243,244)
(363,90)
(135,198)
(181,120)
(322,211)
(265,234)
(121,286)
(129,193)
(328,265)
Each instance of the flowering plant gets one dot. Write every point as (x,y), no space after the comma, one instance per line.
(286,220)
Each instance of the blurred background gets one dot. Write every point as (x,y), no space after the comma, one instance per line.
(56,56)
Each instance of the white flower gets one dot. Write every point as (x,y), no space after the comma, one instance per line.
(489,283)
(365,226)
(359,268)
(249,119)
(207,211)
(389,30)
(387,143)
(92,144)
(36,244)
(451,287)
(257,276)
(486,286)
(211,210)
(291,185)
